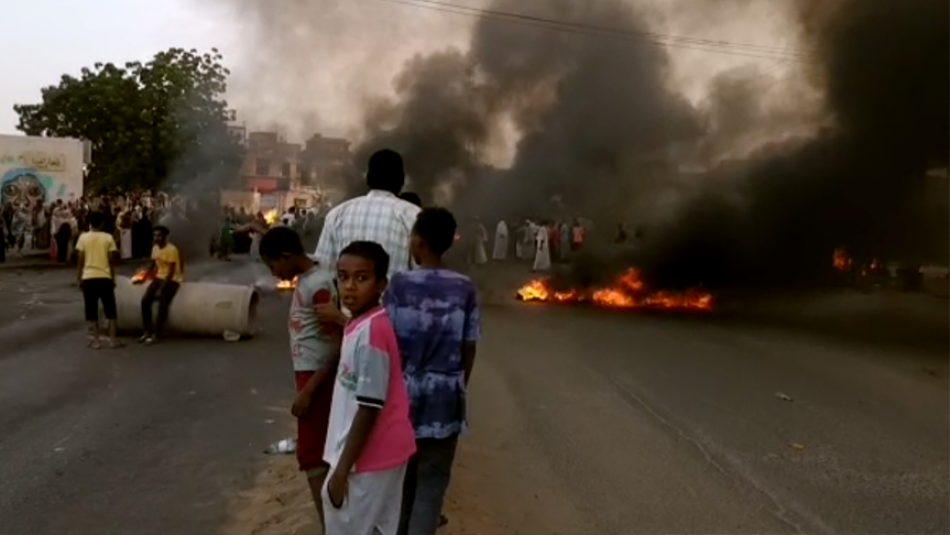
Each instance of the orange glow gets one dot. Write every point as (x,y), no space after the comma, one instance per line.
(287,285)
(841,260)
(142,276)
(628,291)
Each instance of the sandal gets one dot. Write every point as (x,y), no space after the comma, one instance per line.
(95,344)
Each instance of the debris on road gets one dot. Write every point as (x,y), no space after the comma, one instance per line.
(288,445)
(231,336)
(796,446)
(783,397)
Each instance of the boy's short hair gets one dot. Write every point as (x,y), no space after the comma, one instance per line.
(279,241)
(95,220)
(161,228)
(372,251)
(437,227)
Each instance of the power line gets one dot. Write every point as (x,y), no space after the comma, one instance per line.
(690,43)
(692,40)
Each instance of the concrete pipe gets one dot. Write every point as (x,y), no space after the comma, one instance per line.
(202,308)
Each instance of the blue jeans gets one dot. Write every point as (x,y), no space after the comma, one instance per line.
(427,479)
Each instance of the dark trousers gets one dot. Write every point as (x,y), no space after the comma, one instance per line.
(164,291)
(423,490)
(63,234)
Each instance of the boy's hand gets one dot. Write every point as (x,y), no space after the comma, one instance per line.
(301,403)
(329,313)
(337,487)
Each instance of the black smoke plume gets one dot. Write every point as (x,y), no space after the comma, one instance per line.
(603,136)
(857,185)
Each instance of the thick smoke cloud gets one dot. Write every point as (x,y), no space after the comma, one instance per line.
(857,185)
(735,189)
(602,132)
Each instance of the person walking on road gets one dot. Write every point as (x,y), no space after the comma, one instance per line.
(96,276)
(437,345)
(167,273)
(314,348)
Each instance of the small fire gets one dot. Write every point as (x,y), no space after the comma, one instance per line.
(142,276)
(628,291)
(841,260)
(287,285)
(271,216)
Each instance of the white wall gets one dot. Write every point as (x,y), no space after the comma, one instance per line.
(40,168)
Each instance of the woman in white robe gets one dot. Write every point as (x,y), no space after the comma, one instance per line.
(500,251)
(542,256)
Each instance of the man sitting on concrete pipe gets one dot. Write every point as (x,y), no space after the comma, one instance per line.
(166,273)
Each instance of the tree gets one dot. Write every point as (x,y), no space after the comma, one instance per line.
(158,124)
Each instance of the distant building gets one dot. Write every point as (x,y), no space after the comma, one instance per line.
(323,160)
(277,174)
(270,163)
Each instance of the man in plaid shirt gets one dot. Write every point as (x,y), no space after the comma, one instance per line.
(379,216)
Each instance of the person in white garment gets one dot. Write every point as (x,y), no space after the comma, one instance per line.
(542,256)
(124,223)
(500,252)
(479,255)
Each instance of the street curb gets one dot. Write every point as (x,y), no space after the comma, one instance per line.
(32,331)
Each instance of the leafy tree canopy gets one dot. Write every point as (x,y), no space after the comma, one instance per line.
(158,124)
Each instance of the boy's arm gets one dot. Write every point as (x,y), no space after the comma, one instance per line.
(468,359)
(303,398)
(113,258)
(372,386)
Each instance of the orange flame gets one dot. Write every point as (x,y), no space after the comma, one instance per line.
(628,291)
(141,276)
(841,260)
(287,285)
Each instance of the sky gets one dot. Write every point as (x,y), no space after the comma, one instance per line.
(343,53)
(45,39)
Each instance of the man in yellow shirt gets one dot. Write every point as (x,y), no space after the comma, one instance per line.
(168,273)
(96,277)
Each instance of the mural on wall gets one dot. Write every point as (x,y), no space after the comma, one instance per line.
(29,174)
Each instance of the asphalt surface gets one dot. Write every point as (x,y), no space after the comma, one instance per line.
(584,421)
(141,439)
(645,425)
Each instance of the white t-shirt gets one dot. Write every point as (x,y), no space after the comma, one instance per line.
(370,375)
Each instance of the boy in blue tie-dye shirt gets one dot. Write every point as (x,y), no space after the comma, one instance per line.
(434,312)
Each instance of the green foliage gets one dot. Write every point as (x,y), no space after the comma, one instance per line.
(158,124)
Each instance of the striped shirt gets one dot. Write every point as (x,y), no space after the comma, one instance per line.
(379,216)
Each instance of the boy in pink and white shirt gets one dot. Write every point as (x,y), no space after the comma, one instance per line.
(370,437)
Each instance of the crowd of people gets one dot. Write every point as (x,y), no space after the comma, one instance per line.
(539,243)
(56,227)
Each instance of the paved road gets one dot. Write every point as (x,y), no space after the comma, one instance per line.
(618,423)
(584,421)
(114,441)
